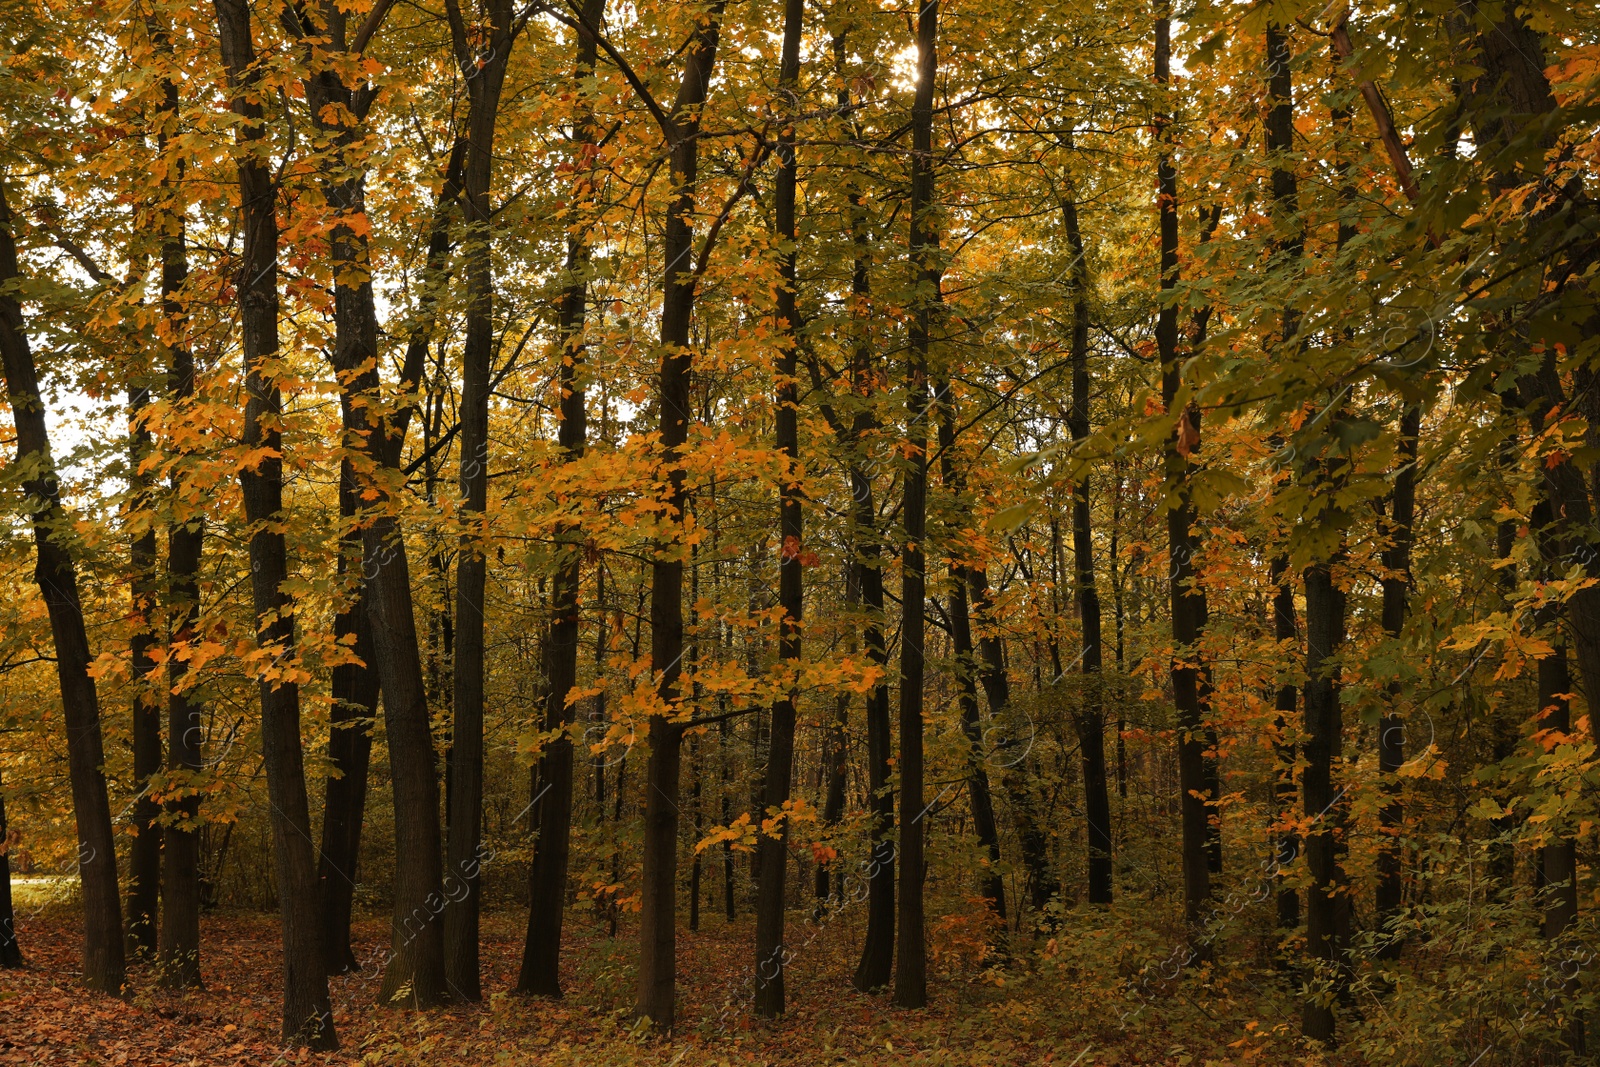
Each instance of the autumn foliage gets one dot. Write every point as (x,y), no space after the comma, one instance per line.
(832,531)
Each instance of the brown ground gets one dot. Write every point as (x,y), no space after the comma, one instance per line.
(975,1017)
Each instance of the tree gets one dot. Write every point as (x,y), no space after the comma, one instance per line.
(307,1012)
(1189,613)
(541,954)
(911,956)
(56,575)
(680,127)
(773,845)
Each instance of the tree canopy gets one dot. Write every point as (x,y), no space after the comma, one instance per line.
(1095,497)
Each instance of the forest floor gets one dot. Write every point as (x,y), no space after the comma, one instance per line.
(1030,1014)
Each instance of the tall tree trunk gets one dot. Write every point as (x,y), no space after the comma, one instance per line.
(1033,845)
(1286,198)
(991,884)
(1189,612)
(380,621)
(355,687)
(10,950)
(56,574)
(1091,720)
(911,956)
(144,851)
(485,77)
(835,755)
(1119,617)
(179,950)
(657,996)
(773,848)
(541,953)
(1396,528)
(1286,703)
(876,964)
(354,691)
(1326,898)
(307,1015)
(1556,866)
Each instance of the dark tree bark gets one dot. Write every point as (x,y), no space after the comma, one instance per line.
(541,952)
(835,759)
(697,772)
(772,850)
(1119,622)
(1033,844)
(911,955)
(1556,868)
(1091,720)
(380,618)
(145,854)
(483,65)
(1396,528)
(144,851)
(1327,901)
(354,692)
(10,950)
(990,882)
(355,687)
(56,573)
(1190,691)
(876,965)
(657,996)
(1285,196)
(307,1015)
(178,959)
(1287,702)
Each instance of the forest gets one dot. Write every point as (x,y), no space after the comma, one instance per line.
(799,531)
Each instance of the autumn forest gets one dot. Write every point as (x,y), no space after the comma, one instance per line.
(799,531)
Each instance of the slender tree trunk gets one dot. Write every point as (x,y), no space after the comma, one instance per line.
(729,897)
(772,849)
(353,686)
(1189,612)
(876,965)
(657,996)
(1287,702)
(57,577)
(1326,899)
(485,76)
(1091,721)
(1033,845)
(990,882)
(1556,866)
(911,957)
(1119,616)
(144,851)
(1285,196)
(1397,528)
(179,950)
(697,800)
(10,950)
(836,754)
(307,1015)
(354,692)
(541,953)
